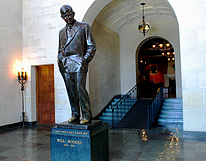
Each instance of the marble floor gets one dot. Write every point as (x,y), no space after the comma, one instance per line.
(159,144)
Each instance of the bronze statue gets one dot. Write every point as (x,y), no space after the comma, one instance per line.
(76,49)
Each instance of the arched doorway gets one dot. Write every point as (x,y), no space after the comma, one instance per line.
(156,67)
(115,61)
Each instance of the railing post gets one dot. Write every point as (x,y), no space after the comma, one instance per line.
(112,116)
(153,108)
(148,117)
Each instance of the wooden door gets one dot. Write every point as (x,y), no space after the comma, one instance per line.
(45,94)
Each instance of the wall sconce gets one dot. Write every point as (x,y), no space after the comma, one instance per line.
(143,26)
(22,78)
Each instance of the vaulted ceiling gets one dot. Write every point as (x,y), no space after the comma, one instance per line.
(119,14)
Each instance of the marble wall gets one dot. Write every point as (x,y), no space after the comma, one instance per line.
(104,70)
(193,62)
(41,24)
(10,58)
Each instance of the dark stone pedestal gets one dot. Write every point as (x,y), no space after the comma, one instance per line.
(72,142)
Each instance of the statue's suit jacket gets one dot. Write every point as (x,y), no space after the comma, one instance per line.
(76,48)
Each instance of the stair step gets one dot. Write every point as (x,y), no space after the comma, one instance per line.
(173,100)
(123,103)
(125,99)
(171,116)
(180,116)
(121,106)
(170,124)
(171,104)
(109,118)
(116,110)
(170,120)
(115,114)
(172,108)
(171,112)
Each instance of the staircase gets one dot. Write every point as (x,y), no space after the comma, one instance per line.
(171,113)
(119,110)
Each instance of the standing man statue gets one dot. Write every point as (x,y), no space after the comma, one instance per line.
(76,49)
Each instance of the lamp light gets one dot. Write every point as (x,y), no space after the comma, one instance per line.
(168,45)
(143,26)
(161,45)
(22,78)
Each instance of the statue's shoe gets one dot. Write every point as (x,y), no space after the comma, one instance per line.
(85,121)
(73,120)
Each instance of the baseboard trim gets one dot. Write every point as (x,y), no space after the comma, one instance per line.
(34,123)
(10,126)
(17,125)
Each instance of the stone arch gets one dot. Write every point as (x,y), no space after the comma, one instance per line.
(94,10)
(98,5)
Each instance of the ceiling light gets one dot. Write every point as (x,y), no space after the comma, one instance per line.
(161,45)
(143,26)
(168,45)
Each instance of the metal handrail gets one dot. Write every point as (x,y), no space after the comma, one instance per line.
(154,107)
(131,98)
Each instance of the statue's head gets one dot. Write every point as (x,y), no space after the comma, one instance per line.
(67,14)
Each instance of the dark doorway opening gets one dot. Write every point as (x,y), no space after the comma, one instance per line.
(156,67)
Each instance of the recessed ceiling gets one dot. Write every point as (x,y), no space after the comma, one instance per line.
(119,14)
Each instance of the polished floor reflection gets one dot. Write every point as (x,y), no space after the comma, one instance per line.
(159,144)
